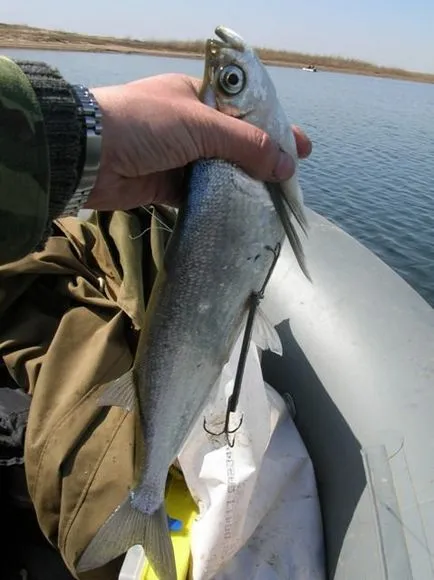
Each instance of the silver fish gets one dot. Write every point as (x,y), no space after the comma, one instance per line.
(220,252)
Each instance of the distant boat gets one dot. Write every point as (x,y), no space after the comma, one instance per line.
(310,68)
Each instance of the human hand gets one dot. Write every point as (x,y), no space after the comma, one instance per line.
(155,126)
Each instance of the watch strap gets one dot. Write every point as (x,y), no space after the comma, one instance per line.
(92,125)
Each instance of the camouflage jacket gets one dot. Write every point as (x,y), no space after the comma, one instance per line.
(24,165)
(41,141)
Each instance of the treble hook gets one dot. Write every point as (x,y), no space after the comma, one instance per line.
(226,431)
(255,298)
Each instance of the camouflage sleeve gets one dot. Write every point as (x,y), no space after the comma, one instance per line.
(24,165)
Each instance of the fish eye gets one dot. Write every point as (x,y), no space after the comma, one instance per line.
(232,79)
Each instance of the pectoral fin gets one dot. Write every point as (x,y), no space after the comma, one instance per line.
(288,206)
(120,393)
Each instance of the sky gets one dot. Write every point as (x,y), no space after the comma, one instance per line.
(386,32)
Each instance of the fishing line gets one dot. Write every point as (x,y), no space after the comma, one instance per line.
(153,214)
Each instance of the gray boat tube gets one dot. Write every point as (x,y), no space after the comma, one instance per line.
(358,362)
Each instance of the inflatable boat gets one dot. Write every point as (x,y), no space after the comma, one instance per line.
(358,363)
(358,366)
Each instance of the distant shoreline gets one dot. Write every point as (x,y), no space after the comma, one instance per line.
(26,37)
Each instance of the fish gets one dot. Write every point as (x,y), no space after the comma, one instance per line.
(220,253)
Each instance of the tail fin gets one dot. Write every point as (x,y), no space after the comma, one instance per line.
(126,527)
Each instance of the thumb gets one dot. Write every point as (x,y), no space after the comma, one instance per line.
(241,143)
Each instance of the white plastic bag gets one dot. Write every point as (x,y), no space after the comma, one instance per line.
(259,510)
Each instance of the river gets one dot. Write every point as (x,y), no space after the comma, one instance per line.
(372,168)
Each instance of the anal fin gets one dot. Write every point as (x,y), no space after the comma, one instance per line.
(120,393)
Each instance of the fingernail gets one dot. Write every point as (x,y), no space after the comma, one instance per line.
(284,168)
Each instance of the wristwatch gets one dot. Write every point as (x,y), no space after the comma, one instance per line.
(91,116)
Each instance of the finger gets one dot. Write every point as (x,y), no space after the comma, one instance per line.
(194,83)
(234,140)
(304,144)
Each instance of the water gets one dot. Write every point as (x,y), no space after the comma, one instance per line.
(372,169)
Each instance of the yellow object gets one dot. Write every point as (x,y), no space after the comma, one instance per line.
(180,506)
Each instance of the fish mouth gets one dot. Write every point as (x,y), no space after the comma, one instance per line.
(230,39)
(227,39)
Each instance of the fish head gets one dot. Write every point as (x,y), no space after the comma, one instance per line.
(237,83)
